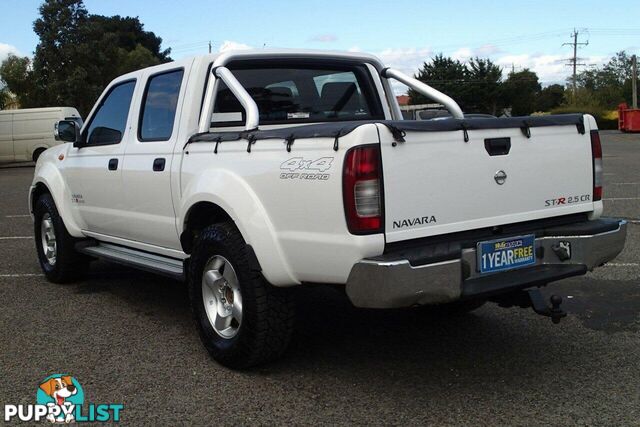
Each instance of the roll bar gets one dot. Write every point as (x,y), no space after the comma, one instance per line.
(426,90)
(249,105)
(219,71)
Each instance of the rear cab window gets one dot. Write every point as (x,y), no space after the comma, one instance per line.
(159,104)
(289,92)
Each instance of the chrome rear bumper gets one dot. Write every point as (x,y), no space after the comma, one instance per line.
(393,282)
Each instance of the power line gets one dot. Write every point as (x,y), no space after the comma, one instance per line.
(573,61)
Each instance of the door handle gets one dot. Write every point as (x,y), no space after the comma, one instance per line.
(497,146)
(158,165)
(113,164)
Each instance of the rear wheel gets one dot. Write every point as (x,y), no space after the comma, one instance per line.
(55,246)
(243,320)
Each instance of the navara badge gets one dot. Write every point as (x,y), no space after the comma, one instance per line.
(500,177)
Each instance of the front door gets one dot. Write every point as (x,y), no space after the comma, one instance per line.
(94,171)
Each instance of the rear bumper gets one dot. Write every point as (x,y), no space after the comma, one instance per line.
(398,280)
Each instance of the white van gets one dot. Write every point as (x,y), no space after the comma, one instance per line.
(25,134)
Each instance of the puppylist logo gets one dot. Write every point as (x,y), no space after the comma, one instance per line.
(60,400)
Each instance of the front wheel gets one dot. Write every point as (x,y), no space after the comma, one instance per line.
(55,246)
(243,320)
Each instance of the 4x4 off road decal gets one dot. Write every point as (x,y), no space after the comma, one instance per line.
(300,168)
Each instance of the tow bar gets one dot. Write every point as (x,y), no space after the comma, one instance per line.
(533,298)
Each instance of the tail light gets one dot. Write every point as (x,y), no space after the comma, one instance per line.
(596,154)
(362,190)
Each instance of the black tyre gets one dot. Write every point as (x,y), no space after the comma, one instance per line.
(36,154)
(459,308)
(243,320)
(55,246)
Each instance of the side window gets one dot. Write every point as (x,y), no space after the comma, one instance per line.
(108,124)
(159,106)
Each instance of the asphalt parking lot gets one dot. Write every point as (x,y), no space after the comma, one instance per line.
(128,338)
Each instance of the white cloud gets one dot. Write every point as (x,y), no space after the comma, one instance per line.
(6,49)
(232,45)
(324,38)
(407,60)
(486,50)
(549,68)
(463,54)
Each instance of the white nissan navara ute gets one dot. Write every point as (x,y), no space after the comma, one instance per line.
(249,173)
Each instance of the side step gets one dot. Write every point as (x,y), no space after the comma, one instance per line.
(134,258)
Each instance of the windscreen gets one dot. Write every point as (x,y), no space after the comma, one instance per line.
(299,93)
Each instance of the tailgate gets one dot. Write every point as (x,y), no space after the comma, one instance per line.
(436,183)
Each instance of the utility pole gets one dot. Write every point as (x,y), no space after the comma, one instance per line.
(209,46)
(634,82)
(574,60)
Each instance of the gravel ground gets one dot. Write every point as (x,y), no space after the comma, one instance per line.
(128,338)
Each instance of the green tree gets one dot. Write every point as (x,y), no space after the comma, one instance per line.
(444,74)
(4,98)
(550,97)
(127,33)
(484,87)
(609,84)
(520,91)
(56,56)
(79,54)
(17,77)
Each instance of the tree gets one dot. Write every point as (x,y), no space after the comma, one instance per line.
(550,97)
(4,98)
(79,54)
(444,74)
(128,34)
(609,84)
(56,56)
(17,76)
(520,91)
(483,94)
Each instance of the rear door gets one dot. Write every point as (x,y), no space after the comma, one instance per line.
(149,155)
(436,183)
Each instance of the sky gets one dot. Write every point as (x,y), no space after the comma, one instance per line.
(515,34)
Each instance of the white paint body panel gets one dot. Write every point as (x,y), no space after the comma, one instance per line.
(438,174)
(297,227)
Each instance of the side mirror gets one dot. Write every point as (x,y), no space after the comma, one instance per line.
(68,131)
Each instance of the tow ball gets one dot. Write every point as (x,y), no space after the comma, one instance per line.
(540,306)
(533,298)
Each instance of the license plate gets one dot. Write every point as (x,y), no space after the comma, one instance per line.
(506,254)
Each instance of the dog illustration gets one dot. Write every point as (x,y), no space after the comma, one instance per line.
(59,389)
